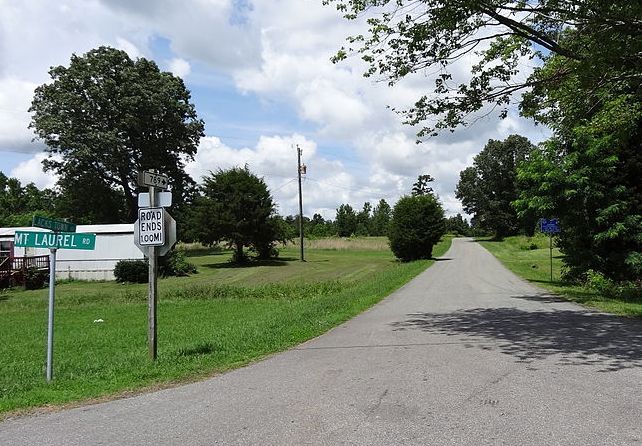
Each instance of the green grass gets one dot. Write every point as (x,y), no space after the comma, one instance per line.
(220,318)
(516,254)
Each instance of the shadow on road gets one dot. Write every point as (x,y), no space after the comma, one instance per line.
(578,337)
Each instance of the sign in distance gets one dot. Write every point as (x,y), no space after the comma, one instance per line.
(550,226)
(151,179)
(59,240)
(151,226)
(54,225)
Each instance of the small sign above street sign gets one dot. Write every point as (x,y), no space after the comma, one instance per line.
(151,179)
(550,226)
(163,199)
(58,240)
(151,226)
(54,225)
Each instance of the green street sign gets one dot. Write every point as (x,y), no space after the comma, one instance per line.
(61,240)
(54,225)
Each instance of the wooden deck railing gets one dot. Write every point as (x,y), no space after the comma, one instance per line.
(12,269)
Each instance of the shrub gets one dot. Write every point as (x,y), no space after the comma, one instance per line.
(35,278)
(135,271)
(626,290)
(417,224)
(175,264)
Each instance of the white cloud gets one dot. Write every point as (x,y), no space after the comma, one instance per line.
(180,67)
(15,100)
(128,47)
(30,171)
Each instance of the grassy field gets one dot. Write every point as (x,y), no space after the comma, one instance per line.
(528,257)
(220,318)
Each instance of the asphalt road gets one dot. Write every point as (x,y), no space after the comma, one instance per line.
(465,354)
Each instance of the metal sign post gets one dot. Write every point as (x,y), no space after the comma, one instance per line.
(69,239)
(50,324)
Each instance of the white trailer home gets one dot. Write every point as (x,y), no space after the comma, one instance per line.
(113,243)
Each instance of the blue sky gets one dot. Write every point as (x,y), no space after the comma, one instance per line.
(261,79)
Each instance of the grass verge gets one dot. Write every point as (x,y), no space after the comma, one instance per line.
(529,258)
(218,319)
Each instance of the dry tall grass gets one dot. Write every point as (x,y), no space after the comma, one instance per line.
(346,244)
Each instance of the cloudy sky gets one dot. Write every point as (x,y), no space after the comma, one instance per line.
(261,78)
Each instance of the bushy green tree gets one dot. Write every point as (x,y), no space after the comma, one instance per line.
(417,224)
(380,218)
(104,118)
(346,221)
(236,206)
(488,188)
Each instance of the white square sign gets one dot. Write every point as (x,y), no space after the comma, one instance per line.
(151,227)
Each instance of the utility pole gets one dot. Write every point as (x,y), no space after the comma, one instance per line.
(299,151)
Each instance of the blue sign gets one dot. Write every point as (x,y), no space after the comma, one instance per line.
(550,225)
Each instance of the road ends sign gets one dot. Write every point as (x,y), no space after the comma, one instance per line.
(151,226)
(170,235)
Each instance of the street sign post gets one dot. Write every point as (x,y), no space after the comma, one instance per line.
(154,234)
(153,179)
(550,226)
(69,239)
(54,225)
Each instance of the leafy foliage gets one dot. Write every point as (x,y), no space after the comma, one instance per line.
(104,118)
(380,218)
(588,175)
(236,206)
(19,203)
(346,221)
(488,188)
(175,264)
(458,225)
(417,225)
(421,186)
(410,36)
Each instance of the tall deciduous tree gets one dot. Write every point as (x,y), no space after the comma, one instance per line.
(104,118)
(488,188)
(236,206)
